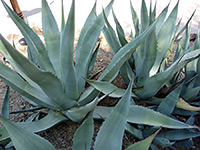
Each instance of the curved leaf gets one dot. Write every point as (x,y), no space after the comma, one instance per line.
(83,136)
(167,33)
(111,132)
(87,47)
(5,107)
(144,144)
(49,83)
(142,115)
(23,139)
(178,135)
(108,88)
(68,71)
(52,37)
(34,42)
(45,123)
(162,78)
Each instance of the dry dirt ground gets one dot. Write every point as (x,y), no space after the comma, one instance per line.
(61,136)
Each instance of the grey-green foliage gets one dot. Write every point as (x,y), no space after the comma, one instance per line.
(163,89)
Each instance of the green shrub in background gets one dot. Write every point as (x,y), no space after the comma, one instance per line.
(165,92)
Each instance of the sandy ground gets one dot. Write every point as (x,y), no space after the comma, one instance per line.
(32,12)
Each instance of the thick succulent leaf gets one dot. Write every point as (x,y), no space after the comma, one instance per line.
(23,139)
(174,135)
(114,44)
(149,58)
(135,20)
(108,88)
(163,142)
(144,17)
(62,17)
(83,136)
(184,105)
(89,21)
(135,132)
(49,83)
(185,26)
(191,93)
(5,106)
(67,56)
(87,47)
(161,79)
(77,114)
(52,37)
(120,31)
(45,123)
(160,23)
(12,79)
(111,132)
(168,104)
(144,144)
(142,115)
(124,54)
(93,60)
(34,42)
(167,33)
(87,95)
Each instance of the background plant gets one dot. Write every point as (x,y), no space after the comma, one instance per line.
(156,85)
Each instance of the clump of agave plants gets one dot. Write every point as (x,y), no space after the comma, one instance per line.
(150,108)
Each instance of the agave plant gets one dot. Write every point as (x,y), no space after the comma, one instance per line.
(161,88)
(51,78)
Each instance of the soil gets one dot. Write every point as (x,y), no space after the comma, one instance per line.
(61,136)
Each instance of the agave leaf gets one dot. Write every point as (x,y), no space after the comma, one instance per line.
(89,21)
(149,58)
(63,16)
(135,132)
(144,144)
(17,83)
(93,59)
(163,142)
(108,88)
(168,104)
(67,56)
(30,140)
(135,20)
(83,136)
(167,33)
(160,23)
(115,46)
(5,107)
(77,114)
(111,132)
(87,46)
(34,42)
(175,135)
(185,26)
(45,123)
(49,83)
(120,31)
(161,79)
(124,54)
(191,93)
(142,115)
(184,105)
(52,37)
(144,17)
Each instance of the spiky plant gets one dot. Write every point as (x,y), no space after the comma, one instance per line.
(50,78)
(166,94)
